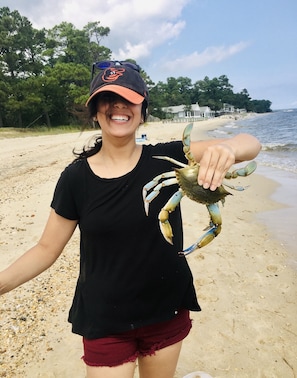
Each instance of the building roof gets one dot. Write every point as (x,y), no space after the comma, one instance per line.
(181,108)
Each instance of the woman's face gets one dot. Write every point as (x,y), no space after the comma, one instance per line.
(117,116)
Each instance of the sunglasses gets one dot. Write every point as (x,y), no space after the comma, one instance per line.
(113,63)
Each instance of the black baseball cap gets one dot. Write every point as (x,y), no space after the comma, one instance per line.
(122,80)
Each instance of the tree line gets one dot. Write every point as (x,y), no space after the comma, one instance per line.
(45,76)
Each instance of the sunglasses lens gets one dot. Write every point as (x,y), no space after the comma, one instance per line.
(103,65)
(109,63)
(131,65)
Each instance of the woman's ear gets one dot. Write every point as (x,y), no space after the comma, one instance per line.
(95,123)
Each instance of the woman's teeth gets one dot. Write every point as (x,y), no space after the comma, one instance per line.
(120,118)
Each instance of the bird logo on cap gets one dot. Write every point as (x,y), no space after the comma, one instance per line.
(112,74)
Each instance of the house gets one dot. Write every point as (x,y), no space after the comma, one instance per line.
(188,112)
(230,109)
(227,109)
(206,112)
(183,112)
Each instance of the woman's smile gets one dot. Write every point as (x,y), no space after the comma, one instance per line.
(113,111)
(120,118)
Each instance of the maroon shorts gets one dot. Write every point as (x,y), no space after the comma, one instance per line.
(115,350)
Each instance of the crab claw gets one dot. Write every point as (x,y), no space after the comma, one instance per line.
(169,179)
(213,230)
(165,226)
(163,216)
(242,172)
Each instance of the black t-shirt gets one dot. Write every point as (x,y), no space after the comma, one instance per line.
(129,275)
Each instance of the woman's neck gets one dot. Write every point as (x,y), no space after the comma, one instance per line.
(115,161)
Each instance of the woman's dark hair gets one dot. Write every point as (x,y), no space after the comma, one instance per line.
(90,149)
(93,108)
(93,147)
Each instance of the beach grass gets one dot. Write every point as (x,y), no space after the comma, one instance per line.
(15,132)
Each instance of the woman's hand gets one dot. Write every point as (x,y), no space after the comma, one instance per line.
(214,164)
(216,157)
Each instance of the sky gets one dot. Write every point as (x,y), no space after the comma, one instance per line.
(253,43)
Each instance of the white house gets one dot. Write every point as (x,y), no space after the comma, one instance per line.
(183,111)
(206,112)
(189,112)
(228,108)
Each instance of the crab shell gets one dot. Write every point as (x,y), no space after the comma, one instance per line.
(187,180)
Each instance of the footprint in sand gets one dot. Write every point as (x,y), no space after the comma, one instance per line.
(274,268)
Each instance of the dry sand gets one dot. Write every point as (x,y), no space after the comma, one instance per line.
(246,288)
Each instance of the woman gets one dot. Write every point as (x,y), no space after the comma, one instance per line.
(134,291)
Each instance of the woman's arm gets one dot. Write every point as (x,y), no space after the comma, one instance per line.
(56,234)
(216,156)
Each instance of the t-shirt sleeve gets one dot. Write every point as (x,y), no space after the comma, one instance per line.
(63,201)
(171,149)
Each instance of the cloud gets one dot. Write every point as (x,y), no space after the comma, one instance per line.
(213,54)
(151,38)
(136,27)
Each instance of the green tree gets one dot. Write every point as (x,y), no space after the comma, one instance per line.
(45,74)
(95,34)
(242,100)
(20,58)
(67,44)
(21,45)
(214,92)
(178,91)
(158,100)
(64,89)
(261,106)
(5,90)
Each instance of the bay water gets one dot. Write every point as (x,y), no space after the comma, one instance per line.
(277,131)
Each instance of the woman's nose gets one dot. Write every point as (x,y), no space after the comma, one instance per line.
(119,103)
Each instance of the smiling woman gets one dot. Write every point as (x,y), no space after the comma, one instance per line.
(124,80)
(134,291)
(118,119)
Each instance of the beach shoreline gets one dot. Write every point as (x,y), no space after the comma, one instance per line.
(246,288)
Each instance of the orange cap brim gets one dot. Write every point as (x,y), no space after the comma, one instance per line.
(126,93)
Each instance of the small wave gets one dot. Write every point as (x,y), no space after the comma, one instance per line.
(291,147)
(218,131)
(231,126)
(281,160)
(288,168)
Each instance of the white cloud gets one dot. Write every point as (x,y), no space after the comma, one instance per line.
(153,31)
(136,26)
(151,38)
(213,54)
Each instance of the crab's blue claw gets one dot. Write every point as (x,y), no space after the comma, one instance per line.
(213,230)
(242,172)
(186,178)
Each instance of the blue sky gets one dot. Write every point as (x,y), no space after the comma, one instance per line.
(253,43)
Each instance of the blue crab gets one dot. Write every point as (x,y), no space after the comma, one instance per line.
(186,178)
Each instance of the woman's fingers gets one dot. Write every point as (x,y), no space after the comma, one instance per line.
(214,164)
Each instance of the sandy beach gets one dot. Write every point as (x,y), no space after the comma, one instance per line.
(244,280)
